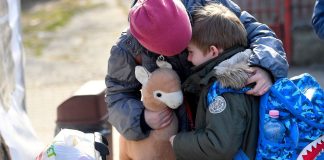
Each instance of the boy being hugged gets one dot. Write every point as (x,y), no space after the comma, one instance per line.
(226,124)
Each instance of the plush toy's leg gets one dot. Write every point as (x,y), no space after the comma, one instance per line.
(123,150)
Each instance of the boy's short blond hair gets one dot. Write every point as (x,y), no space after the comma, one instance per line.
(214,24)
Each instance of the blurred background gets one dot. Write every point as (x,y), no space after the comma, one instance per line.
(67,42)
(291,21)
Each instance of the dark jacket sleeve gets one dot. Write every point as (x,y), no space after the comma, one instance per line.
(123,95)
(220,139)
(268,50)
(318,18)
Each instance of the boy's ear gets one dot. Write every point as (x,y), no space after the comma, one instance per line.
(214,51)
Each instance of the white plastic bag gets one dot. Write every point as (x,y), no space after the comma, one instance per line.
(71,144)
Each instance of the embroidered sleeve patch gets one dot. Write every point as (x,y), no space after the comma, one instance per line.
(218,105)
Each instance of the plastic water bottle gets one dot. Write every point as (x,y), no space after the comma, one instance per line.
(274,130)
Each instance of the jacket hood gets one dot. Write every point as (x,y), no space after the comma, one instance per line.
(234,71)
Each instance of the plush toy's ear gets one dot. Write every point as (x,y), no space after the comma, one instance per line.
(142,74)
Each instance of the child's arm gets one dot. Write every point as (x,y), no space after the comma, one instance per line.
(123,96)
(125,109)
(318,18)
(268,50)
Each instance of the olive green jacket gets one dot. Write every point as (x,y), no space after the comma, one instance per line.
(220,134)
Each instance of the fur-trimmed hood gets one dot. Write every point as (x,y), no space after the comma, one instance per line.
(234,71)
(230,68)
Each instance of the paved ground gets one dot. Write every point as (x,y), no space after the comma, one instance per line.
(79,53)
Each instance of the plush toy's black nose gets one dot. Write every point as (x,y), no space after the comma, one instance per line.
(158,94)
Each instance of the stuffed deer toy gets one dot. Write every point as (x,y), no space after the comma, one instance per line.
(160,89)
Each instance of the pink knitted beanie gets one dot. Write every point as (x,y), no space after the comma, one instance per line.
(161,26)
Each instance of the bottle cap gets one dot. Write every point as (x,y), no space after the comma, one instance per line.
(274,113)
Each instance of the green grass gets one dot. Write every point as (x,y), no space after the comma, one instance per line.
(48,19)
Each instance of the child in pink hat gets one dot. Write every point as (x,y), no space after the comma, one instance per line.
(162,27)
(158,23)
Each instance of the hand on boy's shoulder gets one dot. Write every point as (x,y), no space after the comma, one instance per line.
(262,81)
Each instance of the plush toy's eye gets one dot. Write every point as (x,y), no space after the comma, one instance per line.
(158,94)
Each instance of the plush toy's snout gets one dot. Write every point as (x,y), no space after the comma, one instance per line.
(172,100)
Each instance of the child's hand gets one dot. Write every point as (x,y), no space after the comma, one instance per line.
(171,140)
(157,120)
(262,80)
